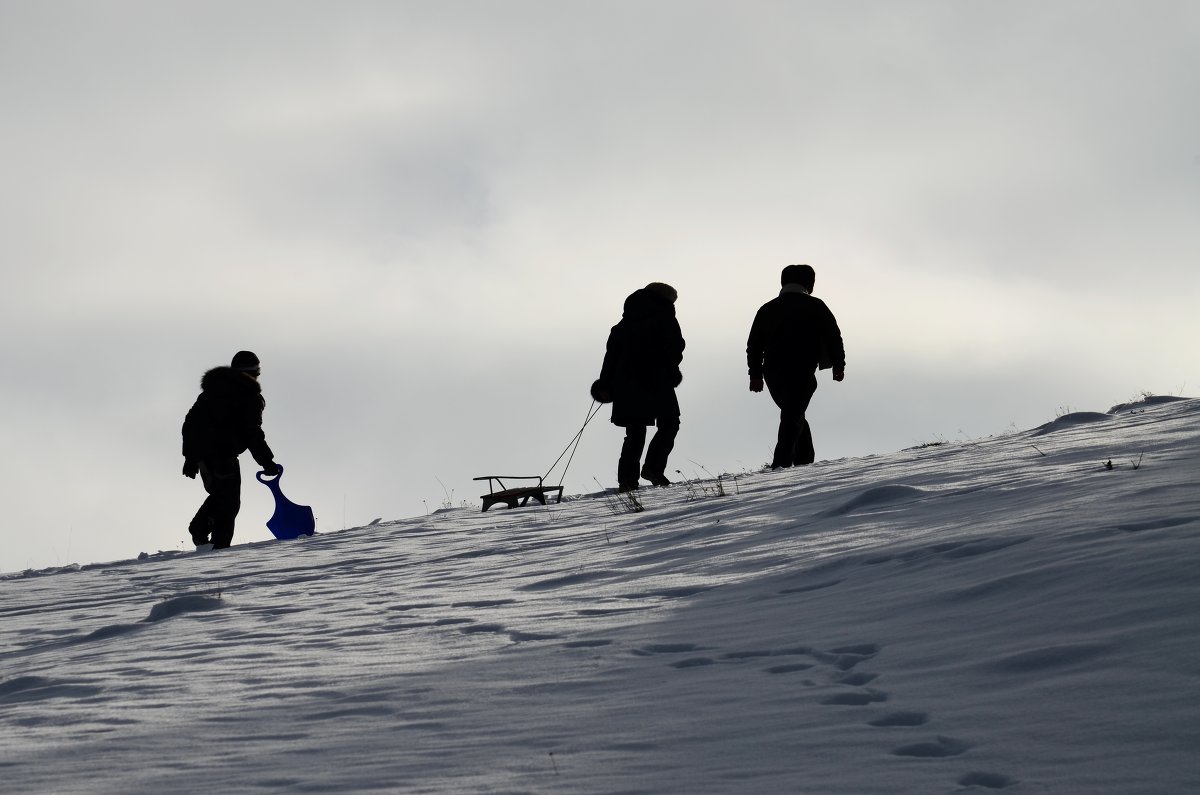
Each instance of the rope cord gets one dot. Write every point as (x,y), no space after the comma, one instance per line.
(573,445)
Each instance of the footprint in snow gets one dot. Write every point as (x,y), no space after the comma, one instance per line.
(902,718)
(986,780)
(863,649)
(788,668)
(846,657)
(675,648)
(665,648)
(485,603)
(937,748)
(516,636)
(817,586)
(682,592)
(857,698)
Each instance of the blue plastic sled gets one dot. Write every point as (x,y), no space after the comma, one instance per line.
(289,520)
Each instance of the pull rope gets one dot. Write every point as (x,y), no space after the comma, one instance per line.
(573,445)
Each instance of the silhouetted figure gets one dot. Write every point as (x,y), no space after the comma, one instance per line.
(639,376)
(793,335)
(224,422)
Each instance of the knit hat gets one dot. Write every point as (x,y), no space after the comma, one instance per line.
(245,361)
(665,290)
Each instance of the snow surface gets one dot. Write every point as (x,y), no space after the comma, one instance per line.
(1008,614)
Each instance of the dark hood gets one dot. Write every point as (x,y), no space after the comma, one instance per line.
(642,304)
(227,381)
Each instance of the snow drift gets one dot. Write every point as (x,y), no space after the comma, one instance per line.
(1009,614)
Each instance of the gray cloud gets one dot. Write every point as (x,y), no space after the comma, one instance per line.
(425,218)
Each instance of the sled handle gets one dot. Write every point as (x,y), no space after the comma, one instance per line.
(260,474)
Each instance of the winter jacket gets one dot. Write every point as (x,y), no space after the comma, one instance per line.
(226,419)
(641,362)
(794,332)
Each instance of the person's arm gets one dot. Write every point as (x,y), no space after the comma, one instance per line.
(602,387)
(191,445)
(755,350)
(677,345)
(257,440)
(836,348)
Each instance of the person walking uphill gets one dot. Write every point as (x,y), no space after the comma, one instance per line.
(792,336)
(224,422)
(639,376)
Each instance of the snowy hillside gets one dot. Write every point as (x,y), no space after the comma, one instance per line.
(1008,614)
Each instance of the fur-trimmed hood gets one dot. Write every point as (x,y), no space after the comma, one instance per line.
(227,381)
(646,303)
(226,418)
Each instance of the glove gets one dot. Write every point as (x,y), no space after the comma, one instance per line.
(270,469)
(600,392)
(190,468)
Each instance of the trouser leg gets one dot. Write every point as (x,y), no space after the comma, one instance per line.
(215,520)
(661,446)
(804,452)
(793,444)
(631,456)
(200,527)
(785,440)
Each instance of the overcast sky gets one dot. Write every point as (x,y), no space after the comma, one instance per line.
(424,218)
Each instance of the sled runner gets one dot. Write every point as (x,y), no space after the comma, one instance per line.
(519,495)
(289,520)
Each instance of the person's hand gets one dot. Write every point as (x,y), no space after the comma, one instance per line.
(756,384)
(838,375)
(190,468)
(270,469)
(600,392)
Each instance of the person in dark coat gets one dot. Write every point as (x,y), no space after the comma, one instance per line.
(639,376)
(224,422)
(792,336)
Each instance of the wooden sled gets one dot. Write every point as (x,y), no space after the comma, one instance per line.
(518,495)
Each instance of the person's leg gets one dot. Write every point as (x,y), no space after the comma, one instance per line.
(200,527)
(792,394)
(803,451)
(660,449)
(631,456)
(202,523)
(223,481)
(781,390)
(805,389)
